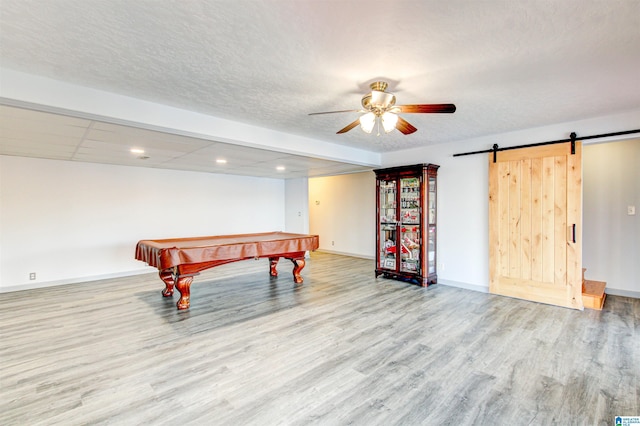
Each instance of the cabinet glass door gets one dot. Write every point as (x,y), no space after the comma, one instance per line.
(410,225)
(432,201)
(431,251)
(388,222)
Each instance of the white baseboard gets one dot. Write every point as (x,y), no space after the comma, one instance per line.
(466,286)
(611,291)
(346,254)
(33,286)
(624,293)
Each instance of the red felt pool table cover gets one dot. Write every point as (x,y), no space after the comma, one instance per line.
(164,254)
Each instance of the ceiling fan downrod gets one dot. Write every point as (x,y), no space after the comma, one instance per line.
(379,86)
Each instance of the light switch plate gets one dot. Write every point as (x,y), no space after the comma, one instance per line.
(631,210)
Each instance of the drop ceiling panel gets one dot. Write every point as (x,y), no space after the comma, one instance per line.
(37,152)
(192,167)
(123,135)
(241,152)
(56,136)
(94,156)
(41,117)
(155,154)
(266,173)
(24,128)
(208,161)
(266,167)
(107,147)
(39,140)
(303,162)
(28,131)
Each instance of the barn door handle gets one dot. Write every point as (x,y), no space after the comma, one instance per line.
(573,233)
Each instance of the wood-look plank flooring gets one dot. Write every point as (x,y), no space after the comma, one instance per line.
(342,348)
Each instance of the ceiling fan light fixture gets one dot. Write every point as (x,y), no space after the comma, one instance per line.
(382,100)
(380,109)
(367,121)
(389,121)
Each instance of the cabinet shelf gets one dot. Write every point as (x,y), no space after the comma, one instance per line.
(403,194)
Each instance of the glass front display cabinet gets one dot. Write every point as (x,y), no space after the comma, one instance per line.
(406,214)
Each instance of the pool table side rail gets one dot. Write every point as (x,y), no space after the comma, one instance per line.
(217,250)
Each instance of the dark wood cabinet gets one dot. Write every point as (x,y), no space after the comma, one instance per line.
(406,221)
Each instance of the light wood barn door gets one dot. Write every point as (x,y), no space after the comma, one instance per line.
(535,224)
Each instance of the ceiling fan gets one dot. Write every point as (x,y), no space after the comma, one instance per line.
(379,107)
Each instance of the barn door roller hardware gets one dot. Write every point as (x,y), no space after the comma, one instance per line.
(572,139)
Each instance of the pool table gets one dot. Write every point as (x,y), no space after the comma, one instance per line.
(180,259)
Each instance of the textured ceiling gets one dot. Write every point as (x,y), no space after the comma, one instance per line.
(507,65)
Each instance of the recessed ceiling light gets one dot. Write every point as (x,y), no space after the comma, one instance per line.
(280,168)
(137,151)
(221,161)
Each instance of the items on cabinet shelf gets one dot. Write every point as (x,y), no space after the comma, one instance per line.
(403,194)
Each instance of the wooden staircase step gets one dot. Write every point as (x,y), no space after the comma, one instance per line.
(593,294)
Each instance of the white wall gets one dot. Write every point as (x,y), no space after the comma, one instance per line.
(611,249)
(342,213)
(297,205)
(463,235)
(71,221)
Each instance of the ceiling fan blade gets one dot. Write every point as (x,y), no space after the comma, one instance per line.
(333,112)
(348,127)
(404,126)
(427,108)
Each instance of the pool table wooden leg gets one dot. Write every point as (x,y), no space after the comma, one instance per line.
(273,262)
(298,264)
(183,284)
(167,277)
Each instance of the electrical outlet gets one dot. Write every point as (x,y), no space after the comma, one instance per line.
(32,276)
(631,210)
(332,243)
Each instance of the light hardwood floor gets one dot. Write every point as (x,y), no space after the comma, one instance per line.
(342,348)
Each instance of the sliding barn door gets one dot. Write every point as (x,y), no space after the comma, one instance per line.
(535,224)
